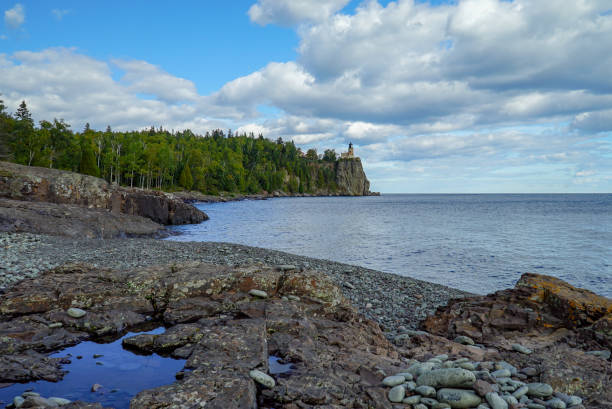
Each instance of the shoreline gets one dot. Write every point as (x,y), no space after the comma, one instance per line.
(395,302)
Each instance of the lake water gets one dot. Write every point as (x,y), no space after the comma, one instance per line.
(478,243)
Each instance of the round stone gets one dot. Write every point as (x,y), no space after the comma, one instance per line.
(59,401)
(520,392)
(412,400)
(501,373)
(262,378)
(394,380)
(462,339)
(459,398)
(426,391)
(76,312)
(397,394)
(495,401)
(447,378)
(521,349)
(258,293)
(539,390)
(556,403)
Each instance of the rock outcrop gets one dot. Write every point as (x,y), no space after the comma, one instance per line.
(73,221)
(351,179)
(544,323)
(37,184)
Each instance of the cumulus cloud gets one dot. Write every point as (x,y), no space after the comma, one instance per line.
(15,16)
(61,83)
(293,12)
(146,78)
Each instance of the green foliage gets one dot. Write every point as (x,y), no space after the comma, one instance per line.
(186,180)
(88,164)
(159,159)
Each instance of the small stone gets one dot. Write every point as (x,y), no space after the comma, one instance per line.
(520,392)
(397,393)
(482,388)
(286,267)
(539,390)
(38,402)
(521,349)
(56,325)
(420,406)
(428,401)
(258,293)
(293,297)
(18,401)
(529,371)
(450,378)
(501,373)
(95,387)
(368,306)
(348,285)
(605,354)
(535,406)
(60,401)
(412,400)
(574,401)
(410,386)
(96,356)
(407,375)
(394,380)
(459,398)
(556,403)
(467,365)
(30,393)
(511,400)
(99,363)
(426,391)
(76,312)
(495,401)
(441,405)
(262,378)
(462,339)
(442,357)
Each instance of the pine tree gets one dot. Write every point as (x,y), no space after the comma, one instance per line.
(88,161)
(185,179)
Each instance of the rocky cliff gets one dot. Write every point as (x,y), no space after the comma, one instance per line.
(351,179)
(34,184)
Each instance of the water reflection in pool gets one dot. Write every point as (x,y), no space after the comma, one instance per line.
(121,373)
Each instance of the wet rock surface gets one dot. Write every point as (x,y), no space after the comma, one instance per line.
(327,343)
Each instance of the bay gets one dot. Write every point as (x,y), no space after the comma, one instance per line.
(479,243)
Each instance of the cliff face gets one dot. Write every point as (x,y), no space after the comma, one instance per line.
(34,184)
(351,179)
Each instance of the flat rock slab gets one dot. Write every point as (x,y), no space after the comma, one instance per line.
(223,333)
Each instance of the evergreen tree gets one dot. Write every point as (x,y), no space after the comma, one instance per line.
(88,164)
(186,180)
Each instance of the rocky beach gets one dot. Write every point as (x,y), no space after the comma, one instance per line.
(349,337)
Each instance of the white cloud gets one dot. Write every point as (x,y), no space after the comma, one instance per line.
(146,78)
(14,17)
(60,13)
(292,12)
(61,83)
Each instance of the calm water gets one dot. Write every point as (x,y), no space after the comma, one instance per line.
(479,243)
(122,374)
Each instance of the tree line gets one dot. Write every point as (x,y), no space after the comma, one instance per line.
(159,159)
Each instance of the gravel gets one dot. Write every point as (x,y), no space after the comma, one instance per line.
(396,302)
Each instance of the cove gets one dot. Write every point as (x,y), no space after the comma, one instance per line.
(122,374)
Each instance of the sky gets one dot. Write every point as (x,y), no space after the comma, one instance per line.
(465,96)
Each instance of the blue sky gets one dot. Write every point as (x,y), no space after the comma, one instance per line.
(463,96)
